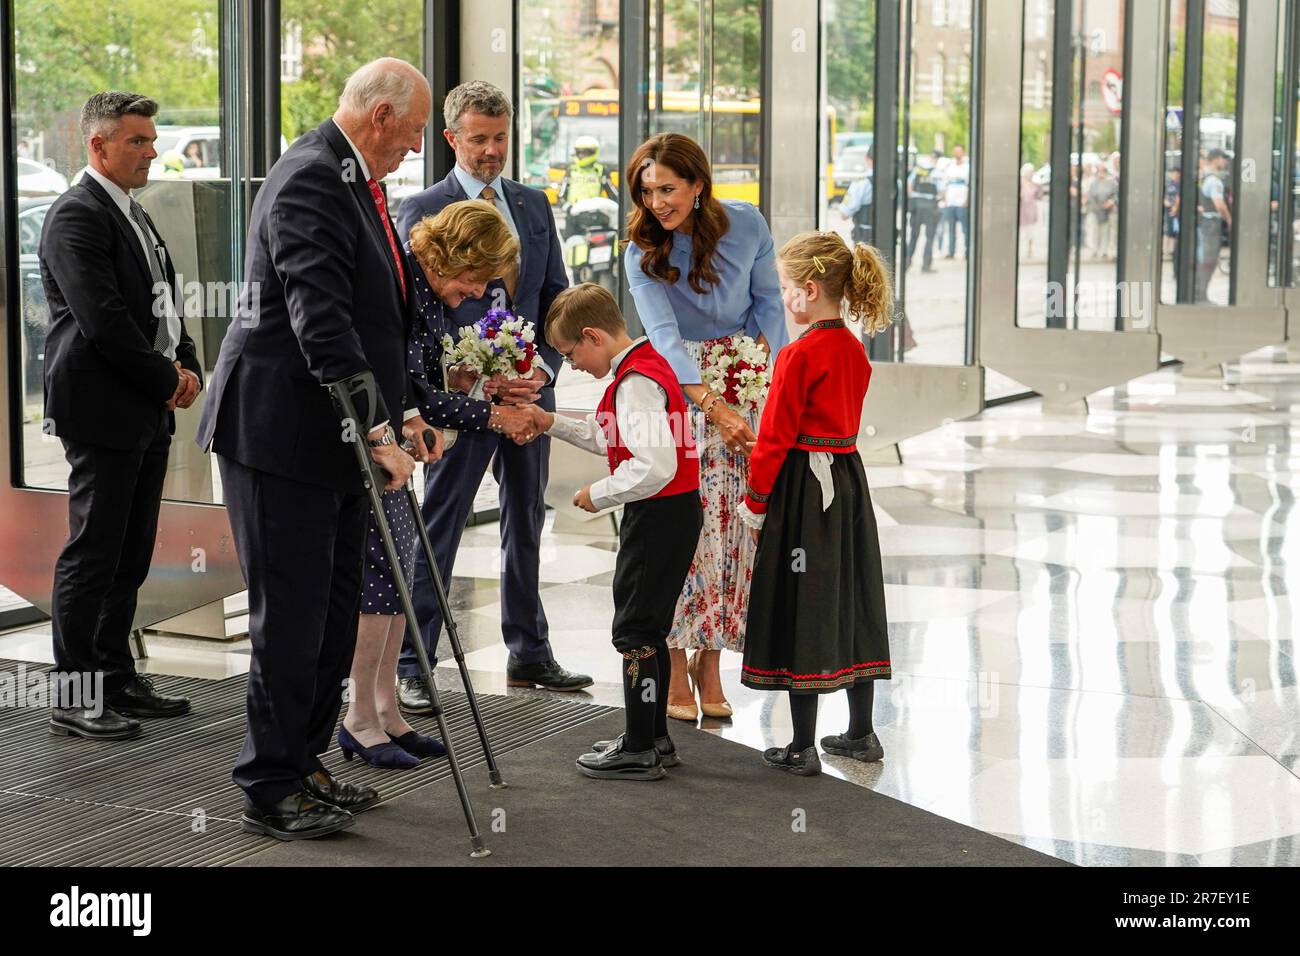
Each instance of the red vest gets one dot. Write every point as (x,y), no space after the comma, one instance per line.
(644,360)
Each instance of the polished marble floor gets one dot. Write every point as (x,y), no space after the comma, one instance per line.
(1091,624)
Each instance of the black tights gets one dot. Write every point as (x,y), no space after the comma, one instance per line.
(803,714)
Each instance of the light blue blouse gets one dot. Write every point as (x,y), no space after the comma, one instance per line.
(746,299)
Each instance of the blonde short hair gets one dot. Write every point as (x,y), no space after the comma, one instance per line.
(466,236)
(855,277)
(585,306)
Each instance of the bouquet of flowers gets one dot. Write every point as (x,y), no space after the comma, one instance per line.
(500,343)
(738,369)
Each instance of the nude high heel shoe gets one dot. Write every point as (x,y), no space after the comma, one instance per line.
(708,708)
(685,711)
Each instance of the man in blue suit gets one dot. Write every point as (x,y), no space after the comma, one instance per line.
(477,116)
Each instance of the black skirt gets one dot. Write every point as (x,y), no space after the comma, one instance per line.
(817,598)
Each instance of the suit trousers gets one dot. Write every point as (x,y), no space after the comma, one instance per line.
(113,502)
(301,548)
(657,539)
(450,486)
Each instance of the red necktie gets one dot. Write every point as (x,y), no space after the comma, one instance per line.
(382,206)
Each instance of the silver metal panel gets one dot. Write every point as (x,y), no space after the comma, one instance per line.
(790,117)
(1251,216)
(1141,206)
(906,400)
(487,42)
(1063,365)
(1206,337)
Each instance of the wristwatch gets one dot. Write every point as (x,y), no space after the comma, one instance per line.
(387,438)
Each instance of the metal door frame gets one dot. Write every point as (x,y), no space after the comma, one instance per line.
(1063,365)
(1201,334)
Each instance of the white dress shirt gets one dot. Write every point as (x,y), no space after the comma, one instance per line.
(151,248)
(641,412)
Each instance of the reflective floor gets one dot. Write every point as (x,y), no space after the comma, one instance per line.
(1091,624)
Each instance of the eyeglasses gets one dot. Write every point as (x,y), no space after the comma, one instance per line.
(568,356)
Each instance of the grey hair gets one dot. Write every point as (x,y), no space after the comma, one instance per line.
(476,96)
(386,80)
(103,112)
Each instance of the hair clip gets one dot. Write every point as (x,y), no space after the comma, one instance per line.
(818,263)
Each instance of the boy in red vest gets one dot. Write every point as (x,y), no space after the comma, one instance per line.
(643,427)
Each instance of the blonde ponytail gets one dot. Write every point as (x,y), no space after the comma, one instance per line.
(868,293)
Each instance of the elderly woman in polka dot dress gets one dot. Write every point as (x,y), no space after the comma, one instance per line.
(452,256)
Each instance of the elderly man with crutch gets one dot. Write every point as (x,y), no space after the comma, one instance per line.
(325,299)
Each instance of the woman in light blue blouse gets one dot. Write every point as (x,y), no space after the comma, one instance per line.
(700,270)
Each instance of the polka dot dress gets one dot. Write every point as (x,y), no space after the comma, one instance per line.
(378,589)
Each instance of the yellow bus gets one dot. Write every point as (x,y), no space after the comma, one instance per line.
(556,122)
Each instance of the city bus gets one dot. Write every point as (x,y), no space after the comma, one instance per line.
(554,123)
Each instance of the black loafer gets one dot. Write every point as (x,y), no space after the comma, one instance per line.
(663,746)
(615,763)
(298,816)
(804,763)
(867,749)
(139,698)
(547,674)
(65,722)
(346,796)
(413,696)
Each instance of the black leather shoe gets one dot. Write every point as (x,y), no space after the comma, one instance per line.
(547,674)
(663,746)
(413,696)
(138,698)
(615,763)
(66,722)
(298,816)
(867,749)
(346,796)
(804,763)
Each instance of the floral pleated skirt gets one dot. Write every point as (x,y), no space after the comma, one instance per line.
(714,603)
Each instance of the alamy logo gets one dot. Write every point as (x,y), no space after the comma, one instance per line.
(70,690)
(103,909)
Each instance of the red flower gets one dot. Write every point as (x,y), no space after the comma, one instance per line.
(490,334)
(522,366)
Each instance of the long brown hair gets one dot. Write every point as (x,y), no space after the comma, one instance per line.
(683,156)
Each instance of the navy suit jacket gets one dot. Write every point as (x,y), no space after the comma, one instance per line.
(104,383)
(321,302)
(541,261)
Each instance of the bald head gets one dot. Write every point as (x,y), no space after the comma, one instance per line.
(383,109)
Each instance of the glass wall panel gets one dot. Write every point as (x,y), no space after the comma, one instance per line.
(1285,185)
(705,80)
(568,127)
(848,110)
(323,43)
(936,177)
(1217,155)
(63,54)
(1073,283)
(1202,244)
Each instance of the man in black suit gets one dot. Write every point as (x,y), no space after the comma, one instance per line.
(118,362)
(478,116)
(325,298)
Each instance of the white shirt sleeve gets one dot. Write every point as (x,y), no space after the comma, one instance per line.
(585,433)
(643,427)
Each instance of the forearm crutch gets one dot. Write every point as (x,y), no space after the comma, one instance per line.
(372,476)
(494,775)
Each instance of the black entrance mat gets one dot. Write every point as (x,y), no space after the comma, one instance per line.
(166,798)
(721,806)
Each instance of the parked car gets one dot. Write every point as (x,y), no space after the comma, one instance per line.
(37,179)
(175,143)
(35,310)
